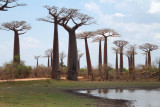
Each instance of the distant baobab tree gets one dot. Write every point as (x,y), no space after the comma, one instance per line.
(148,48)
(51,55)
(62,55)
(146,58)
(77,19)
(79,57)
(85,36)
(37,57)
(5,4)
(116,50)
(56,15)
(106,33)
(130,53)
(19,28)
(121,44)
(48,55)
(99,39)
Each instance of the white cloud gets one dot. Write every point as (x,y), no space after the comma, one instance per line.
(106,1)
(30,42)
(155,7)
(119,15)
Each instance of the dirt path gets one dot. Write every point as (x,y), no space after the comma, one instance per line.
(26,79)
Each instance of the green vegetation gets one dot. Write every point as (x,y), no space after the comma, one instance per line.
(51,93)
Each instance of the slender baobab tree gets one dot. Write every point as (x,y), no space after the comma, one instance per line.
(48,55)
(99,39)
(148,48)
(37,58)
(131,52)
(19,28)
(79,57)
(5,4)
(85,36)
(62,55)
(77,19)
(56,15)
(121,44)
(51,55)
(116,50)
(106,33)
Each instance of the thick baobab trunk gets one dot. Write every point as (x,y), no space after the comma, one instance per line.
(89,66)
(105,52)
(16,56)
(149,58)
(78,64)
(51,59)
(146,63)
(100,58)
(159,69)
(121,61)
(37,62)
(55,66)
(105,65)
(72,57)
(133,66)
(116,62)
(48,61)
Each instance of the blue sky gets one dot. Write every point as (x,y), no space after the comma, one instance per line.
(138,21)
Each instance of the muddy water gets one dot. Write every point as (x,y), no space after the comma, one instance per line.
(140,97)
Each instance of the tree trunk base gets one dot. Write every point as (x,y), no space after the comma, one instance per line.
(56,75)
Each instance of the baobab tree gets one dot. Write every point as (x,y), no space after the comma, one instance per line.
(37,58)
(5,4)
(62,55)
(148,48)
(116,51)
(51,55)
(121,44)
(131,52)
(106,33)
(77,19)
(99,39)
(48,55)
(79,57)
(19,28)
(56,15)
(85,36)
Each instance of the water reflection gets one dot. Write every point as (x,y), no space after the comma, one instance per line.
(143,98)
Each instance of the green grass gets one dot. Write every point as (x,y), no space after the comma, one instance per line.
(49,93)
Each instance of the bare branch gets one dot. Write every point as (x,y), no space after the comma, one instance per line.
(84,35)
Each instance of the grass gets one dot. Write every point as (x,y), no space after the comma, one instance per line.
(49,93)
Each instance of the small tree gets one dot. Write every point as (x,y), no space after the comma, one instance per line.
(85,36)
(121,44)
(5,4)
(19,28)
(99,39)
(37,57)
(62,55)
(148,48)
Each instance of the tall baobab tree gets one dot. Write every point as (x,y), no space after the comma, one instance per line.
(62,55)
(79,57)
(77,19)
(148,48)
(19,28)
(37,58)
(56,15)
(121,44)
(99,39)
(5,4)
(131,52)
(106,33)
(85,36)
(116,50)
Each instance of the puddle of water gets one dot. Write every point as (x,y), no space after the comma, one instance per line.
(141,97)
